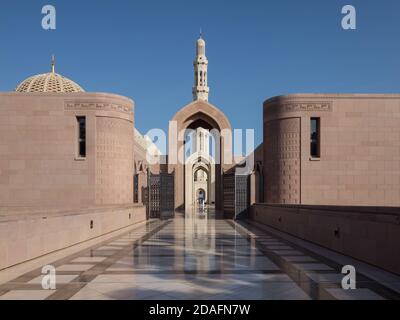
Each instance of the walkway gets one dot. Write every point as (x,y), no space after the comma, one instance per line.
(197,257)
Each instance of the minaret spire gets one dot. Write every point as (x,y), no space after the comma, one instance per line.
(201,89)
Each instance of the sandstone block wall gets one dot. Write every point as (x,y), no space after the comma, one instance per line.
(38,149)
(34,234)
(359,161)
(370,234)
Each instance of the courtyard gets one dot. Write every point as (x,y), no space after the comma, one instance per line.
(197,256)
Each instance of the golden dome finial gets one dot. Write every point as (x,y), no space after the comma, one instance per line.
(53,64)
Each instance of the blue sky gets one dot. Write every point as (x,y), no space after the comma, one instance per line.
(144,49)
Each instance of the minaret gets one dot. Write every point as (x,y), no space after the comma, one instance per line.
(200,89)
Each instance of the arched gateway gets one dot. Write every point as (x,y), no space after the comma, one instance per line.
(214,156)
(200,142)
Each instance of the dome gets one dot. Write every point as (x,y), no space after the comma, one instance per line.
(48,82)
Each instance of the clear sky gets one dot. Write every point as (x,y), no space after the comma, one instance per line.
(144,49)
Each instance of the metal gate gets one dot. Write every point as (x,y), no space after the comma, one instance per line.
(229,194)
(236,194)
(242,196)
(154,196)
(161,198)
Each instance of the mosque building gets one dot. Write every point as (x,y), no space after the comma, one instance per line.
(74,167)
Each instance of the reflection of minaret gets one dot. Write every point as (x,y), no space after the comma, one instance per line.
(201,89)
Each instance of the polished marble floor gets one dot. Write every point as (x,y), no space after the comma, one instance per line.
(197,256)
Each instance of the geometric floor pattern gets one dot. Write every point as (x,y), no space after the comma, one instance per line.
(195,257)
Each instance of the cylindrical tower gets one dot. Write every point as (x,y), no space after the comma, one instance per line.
(200,89)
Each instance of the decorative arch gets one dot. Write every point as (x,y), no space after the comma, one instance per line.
(199,161)
(201,167)
(200,110)
(199,114)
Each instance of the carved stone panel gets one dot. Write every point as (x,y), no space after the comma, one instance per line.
(114,161)
(282,161)
(322,106)
(70,105)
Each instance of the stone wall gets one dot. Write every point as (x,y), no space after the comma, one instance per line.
(359,161)
(39,164)
(282,158)
(370,234)
(114,161)
(141,169)
(28,234)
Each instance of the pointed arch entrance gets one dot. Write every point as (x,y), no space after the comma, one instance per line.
(199,172)
(215,158)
